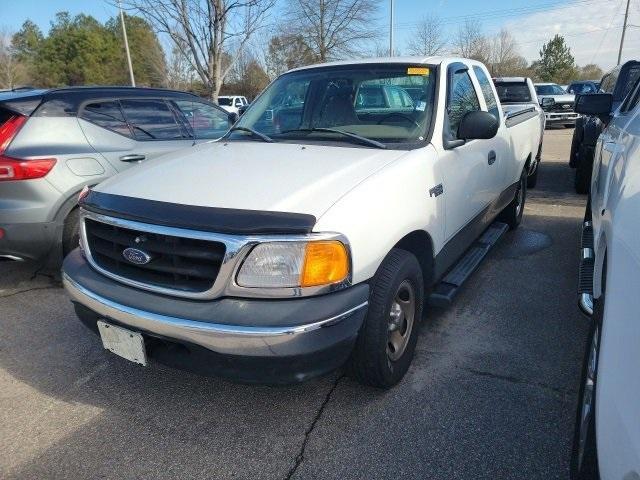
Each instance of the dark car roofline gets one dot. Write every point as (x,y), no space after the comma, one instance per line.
(116,88)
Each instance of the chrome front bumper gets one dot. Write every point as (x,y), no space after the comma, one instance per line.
(221,338)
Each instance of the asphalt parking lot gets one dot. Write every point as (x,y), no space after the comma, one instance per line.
(491,393)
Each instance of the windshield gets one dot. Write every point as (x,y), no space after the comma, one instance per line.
(386,103)
(224,102)
(511,92)
(550,90)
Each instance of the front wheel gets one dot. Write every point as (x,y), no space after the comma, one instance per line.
(387,340)
(532,180)
(584,458)
(512,214)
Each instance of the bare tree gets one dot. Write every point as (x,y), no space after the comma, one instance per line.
(427,38)
(333,28)
(469,42)
(12,72)
(505,57)
(209,33)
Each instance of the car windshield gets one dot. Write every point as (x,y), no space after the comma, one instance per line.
(511,92)
(550,90)
(224,102)
(385,103)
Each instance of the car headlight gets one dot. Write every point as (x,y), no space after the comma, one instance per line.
(294,264)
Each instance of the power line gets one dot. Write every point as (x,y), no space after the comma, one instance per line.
(504,13)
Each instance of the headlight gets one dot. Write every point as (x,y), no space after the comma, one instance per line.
(294,264)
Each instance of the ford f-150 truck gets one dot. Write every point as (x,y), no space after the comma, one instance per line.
(315,232)
(515,93)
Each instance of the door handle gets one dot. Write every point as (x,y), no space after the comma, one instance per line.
(491,158)
(132,158)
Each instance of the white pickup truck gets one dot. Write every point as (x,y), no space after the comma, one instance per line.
(347,197)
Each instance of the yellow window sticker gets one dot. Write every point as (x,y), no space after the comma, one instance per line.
(417,71)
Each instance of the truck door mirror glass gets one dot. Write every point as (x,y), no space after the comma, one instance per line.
(547,102)
(242,109)
(233,117)
(478,125)
(594,104)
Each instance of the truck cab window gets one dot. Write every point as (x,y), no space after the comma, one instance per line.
(462,99)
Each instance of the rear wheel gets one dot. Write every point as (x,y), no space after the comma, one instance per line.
(387,340)
(71,232)
(512,214)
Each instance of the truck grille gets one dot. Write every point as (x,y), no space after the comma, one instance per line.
(176,263)
(565,107)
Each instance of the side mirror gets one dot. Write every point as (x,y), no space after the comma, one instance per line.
(599,104)
(478,125)
(547,102)
(242,109)
(233,117)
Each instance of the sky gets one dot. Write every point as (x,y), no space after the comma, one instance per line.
(592,28)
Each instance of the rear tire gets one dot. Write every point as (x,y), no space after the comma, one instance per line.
(71,232)
(386,343)
(512,214)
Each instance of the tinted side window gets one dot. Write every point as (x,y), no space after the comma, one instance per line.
(108,115)
(462,99)
(487,91)
(204,120)
(634,74)
(152,120)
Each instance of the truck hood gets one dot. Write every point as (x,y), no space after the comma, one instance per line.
(251,175)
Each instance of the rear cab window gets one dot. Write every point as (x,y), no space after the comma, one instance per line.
(513,92)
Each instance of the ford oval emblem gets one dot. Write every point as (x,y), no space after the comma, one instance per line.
(136,256)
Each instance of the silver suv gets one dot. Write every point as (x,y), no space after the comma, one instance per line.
(55,142)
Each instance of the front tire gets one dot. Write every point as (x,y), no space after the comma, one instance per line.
(584,165)
(584,456)
(512,214)
(532,180)
(387,340)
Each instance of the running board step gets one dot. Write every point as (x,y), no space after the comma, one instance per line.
(445,291)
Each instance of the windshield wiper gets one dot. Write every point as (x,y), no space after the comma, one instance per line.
(253,132)
(361,139)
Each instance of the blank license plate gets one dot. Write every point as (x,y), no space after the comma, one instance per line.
(123,342)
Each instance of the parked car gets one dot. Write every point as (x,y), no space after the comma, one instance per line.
(607,435)
(583,86)
(618,82)
(301,248)
(232,103)
(55,142)
(560,111)
(517,93)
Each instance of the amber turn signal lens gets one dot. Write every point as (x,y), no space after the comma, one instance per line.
(325,262)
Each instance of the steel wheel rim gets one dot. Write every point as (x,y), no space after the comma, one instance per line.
(401,320)
(586,407)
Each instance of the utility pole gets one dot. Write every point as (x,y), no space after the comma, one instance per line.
(624,30)
(126,45)
(391,28)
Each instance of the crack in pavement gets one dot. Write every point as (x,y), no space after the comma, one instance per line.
(32,289)
(300,456)
(511,379)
